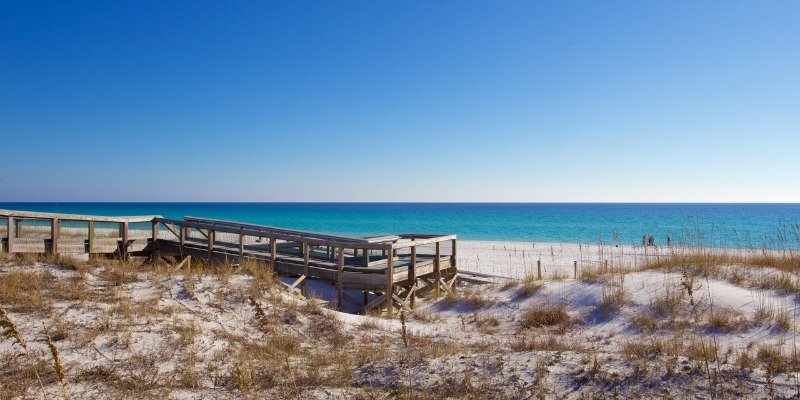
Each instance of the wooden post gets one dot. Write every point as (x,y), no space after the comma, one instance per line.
(183,237)
(10,221)
(389,289)
(539,269)
(273,249)
(340,278)
(453,267)
(154,253)
(91,238)
(55,228)
(576,270)
(241,249)
(412,274)
(366,257)
(211,235)
(123,227)
(305,270)
(437,273)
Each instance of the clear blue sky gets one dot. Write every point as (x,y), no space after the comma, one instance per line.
(637,101)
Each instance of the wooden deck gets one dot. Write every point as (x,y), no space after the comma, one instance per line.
(396,268)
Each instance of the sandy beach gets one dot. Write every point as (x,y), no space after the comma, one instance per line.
(622,327)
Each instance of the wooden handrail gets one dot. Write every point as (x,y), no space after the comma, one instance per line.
(254,231)
(339,239)
(74,217)
(294,232)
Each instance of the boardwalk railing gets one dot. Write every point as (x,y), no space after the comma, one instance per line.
(35,232)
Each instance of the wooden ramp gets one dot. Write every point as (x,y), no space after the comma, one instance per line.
(396,267)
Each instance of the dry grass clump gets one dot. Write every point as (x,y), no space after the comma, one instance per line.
(548,342)
(328,327)
(486,323)
(262,278)
(592,274)
(783,321)
(186,331)
(23,291)
(475,299)
(69,289)
(727,320)
(223,272)
(769,313)
(645,321)
(509,284)
(642,348)
(703,351)
(548,314)
(772,359)
(117,272)
(369,323)
(614,296)
(140,374)
(71,263)
(666,309)
(528,287)
(29,259)
(745,361)
(668,303)
(6,257)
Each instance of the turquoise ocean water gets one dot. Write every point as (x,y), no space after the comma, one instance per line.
(729,225)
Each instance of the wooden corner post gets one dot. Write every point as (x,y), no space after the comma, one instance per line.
(454,267)
(55,226)
(412,275)
(91,238)
(154,252)
(273,250)
(437,270)
(241,248)
(10,221)
(123,229)
(305,270)
(340,279)
(211,235)
(389,289)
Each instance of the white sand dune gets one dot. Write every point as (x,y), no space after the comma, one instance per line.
(476,338)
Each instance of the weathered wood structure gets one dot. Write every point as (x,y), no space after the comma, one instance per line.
(395,268)
(34,232)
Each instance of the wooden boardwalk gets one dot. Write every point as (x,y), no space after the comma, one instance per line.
(396,268)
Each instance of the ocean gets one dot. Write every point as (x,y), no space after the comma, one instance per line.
(727,225)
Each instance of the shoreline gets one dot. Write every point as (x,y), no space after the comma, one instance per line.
(559,260)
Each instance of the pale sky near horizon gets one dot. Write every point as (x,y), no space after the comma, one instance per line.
(518,101)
